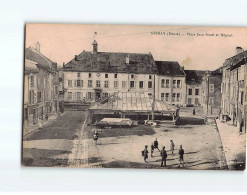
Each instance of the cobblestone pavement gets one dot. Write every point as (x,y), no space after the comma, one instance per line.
(202,145)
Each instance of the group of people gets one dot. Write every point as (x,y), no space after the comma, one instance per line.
(163,153)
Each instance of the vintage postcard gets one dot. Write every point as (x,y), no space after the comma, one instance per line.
(129,96)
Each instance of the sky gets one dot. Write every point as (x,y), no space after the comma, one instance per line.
(191,46)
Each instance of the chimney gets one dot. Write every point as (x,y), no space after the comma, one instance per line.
(95,47)
(75,57)
(239,50)
(63,64)
(127,59)
(37,46)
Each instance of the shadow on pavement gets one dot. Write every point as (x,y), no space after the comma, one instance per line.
(190,121)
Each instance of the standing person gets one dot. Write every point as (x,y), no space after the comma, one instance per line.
(181,155)
(156,144)
(241,126)
(163,156)
(145,153)
(194,111)
(39,122)
(172,146)
(96,137)
(152,149)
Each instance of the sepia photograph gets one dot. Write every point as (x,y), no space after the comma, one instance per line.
(134,96)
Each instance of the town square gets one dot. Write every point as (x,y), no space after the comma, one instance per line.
(114,108)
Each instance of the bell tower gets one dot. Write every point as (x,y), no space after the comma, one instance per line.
(95,44)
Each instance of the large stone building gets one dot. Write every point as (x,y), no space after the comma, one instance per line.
(40,86)
(233,87)
(194,87)
(92,76)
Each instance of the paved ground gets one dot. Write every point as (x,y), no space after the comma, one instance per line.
(234,145)
(69,142)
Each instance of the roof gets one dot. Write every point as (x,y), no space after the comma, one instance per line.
(169,68)
(235,59)
(112,62)
(41,60)
(194,76)
(30,67)
(133,102)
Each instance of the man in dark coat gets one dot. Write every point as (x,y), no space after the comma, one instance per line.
(181,155)
(156,144)
(152,149)
(163,156)
(145,153)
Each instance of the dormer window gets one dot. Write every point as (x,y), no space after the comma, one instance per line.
(115,76)
(89,75)
(132,76)
(150,76)
(78,74)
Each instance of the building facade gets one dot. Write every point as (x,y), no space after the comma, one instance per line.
(94,76)
(233,88)
(194,87)
(211,92)
(40,86)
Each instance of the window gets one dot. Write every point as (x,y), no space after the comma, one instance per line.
(178,97)
(197,92)
(196,101)
(106,84)
(211,100)
(31,97)
(132,76)
(173,97)
(163,83)
(39,97)
(115,84)
(78,74)
(167,83)
(97,83)
(174,83)
(140,84)
(211,88)
(32,81)
(132,84)
(69,83)
(89,95)
(167,97)
(79,83)
(78,95)
(115,76)
(90,83)
(190,91)
(123,84)
(150,76)
(162,96)
(150,84)
(178,83)
(89,75)
(150,95)
(106,76)
(69,95)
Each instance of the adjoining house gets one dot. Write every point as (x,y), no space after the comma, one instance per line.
(233,87)
(171,83)
(40,86)
(193,87)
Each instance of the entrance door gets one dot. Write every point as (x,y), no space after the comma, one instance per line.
(97,96)
(189,101)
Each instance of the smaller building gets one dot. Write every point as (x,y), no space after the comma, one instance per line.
(193,87)
(211,92)
(170,83)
